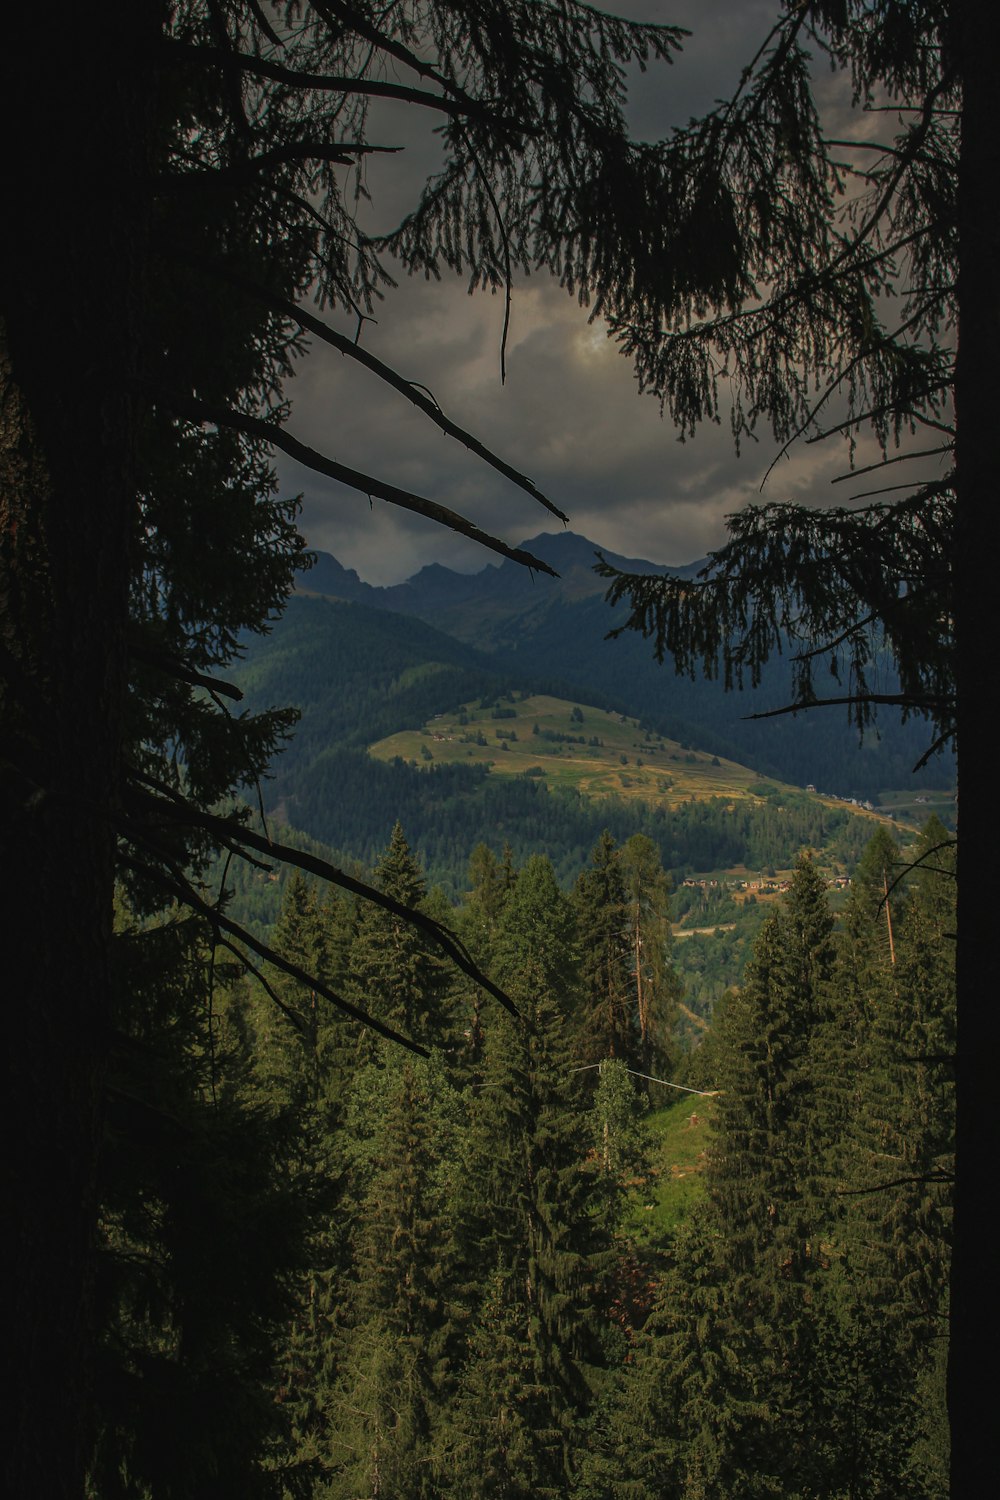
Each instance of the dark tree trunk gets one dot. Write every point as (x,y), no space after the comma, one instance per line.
(974,1328)
(74,105)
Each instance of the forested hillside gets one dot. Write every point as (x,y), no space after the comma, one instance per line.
(358,675)
(534,629)
(474,1270)
(516,1150)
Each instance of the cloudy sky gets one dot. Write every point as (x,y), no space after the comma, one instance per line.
(569,415)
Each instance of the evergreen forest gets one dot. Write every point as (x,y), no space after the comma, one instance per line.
(336,1266)
(387,1128)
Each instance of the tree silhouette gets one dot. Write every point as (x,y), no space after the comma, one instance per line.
(856,297)
(182,223)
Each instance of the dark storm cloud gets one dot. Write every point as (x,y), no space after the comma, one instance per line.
(570,414)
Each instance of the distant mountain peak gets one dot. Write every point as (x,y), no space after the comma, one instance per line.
(436,586)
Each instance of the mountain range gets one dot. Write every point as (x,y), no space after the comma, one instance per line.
(552,633)
(363,663)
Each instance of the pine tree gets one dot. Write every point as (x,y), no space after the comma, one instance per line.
(659,1429)
(303,1057)
(656,987)
(489,885)
(898,1161)
(394,973)
(288,1039)
(200,149)
(756,1366)
(204,1225)
(607,1019)
(398,1357)
(860,292)
(526,1212)
(618,1141)
(488,889)
(499,1440)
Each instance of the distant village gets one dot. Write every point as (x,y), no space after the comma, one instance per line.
(758,885)
(849,801)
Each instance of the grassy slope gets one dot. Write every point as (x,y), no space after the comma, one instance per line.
(655,770)
(679,1134)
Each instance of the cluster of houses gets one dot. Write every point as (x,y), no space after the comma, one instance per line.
(759,885)
(848,801)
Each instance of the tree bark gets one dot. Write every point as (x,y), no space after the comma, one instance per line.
(75,103)
(974,1320)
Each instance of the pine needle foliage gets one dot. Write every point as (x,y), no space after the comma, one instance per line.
(829,311)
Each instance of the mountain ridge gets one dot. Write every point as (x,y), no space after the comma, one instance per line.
(437,594)
(530,628)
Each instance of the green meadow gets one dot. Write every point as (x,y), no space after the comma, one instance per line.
(594,751)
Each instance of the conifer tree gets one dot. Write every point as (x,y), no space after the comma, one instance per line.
(201,150)
(607,1020)
(499,1440)
(288,1039)
(489,885)
(394,974)
(655,985)
(488,888)
(864,987)
(756,1366)
(526,1210)
(658,1429)
(303,1057)
(897,1162)
(617,1139)
(204,1225)
(399,1354)
(875,301)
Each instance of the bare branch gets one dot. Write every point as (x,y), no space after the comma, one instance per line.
(260,67)
(838,640)
(199,411)
(183,892)
(915,864)
(898,458)
(173,806)
(898,700)
(408,388)
(883,1187)
(937,744)
(362,26)
(210,179)
(175,668)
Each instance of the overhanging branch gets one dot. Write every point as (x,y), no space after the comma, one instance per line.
(175,808)
(425,403)
(260,67)
(199,411)
(184,893)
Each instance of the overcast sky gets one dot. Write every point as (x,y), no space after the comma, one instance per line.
(569,415)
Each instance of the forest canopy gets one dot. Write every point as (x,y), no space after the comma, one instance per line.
(181,185)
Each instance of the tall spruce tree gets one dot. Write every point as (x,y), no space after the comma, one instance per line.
(304,1055)
(858,300)
(288,1039)
(489,885)
(756,1367)
(897,1162)
(607,1020)
(526,1214)
(200,150)
(499,1439)
(399,1356)
(655,985)
(205,1224)
(659,1429)
(394,974)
